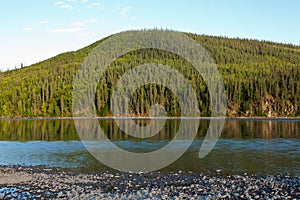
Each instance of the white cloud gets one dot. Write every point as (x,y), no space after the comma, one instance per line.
(42,22)
(66,6)
(95,5)
(59,3)
(28,29)
(82,23)
(123,11)
(66,30)
(90,21)
(78,24)
(84,1)
(71,0)
(35,25)
(63,5)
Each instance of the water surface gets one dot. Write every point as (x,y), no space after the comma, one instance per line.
(248,145)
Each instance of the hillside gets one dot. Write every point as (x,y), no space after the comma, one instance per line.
(261,79)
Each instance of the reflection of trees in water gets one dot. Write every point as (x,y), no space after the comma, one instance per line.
(45,130)
(266,129)
(53,130)
(113,132)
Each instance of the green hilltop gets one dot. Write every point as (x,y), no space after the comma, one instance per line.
(261,78)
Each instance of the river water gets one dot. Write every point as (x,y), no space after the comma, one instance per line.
(260,146)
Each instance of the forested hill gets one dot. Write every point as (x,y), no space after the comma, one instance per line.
(261,79)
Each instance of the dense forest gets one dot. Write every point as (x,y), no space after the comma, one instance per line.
(261,78)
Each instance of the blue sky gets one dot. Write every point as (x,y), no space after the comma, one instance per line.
(34,30)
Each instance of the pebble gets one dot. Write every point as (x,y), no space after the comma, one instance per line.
(54,183)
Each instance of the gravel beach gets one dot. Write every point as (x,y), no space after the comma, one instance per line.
(46,183)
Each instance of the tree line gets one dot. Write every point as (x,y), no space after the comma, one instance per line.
(261,78)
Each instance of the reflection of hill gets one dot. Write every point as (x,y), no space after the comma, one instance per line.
(266,129)
(53,130)
(44,130)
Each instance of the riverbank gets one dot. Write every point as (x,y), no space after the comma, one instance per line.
(154,118)
(52,183)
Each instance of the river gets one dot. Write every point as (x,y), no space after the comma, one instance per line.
(259,146)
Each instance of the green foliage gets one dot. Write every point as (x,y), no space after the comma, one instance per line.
(261,79)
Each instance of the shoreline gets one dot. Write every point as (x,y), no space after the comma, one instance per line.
(153,118)
(51,183)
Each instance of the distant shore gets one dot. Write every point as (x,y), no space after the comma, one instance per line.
(50,183)
(151,118)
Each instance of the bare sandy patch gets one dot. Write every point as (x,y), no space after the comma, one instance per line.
(14,177)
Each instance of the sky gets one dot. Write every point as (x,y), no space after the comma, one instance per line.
(34,30)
